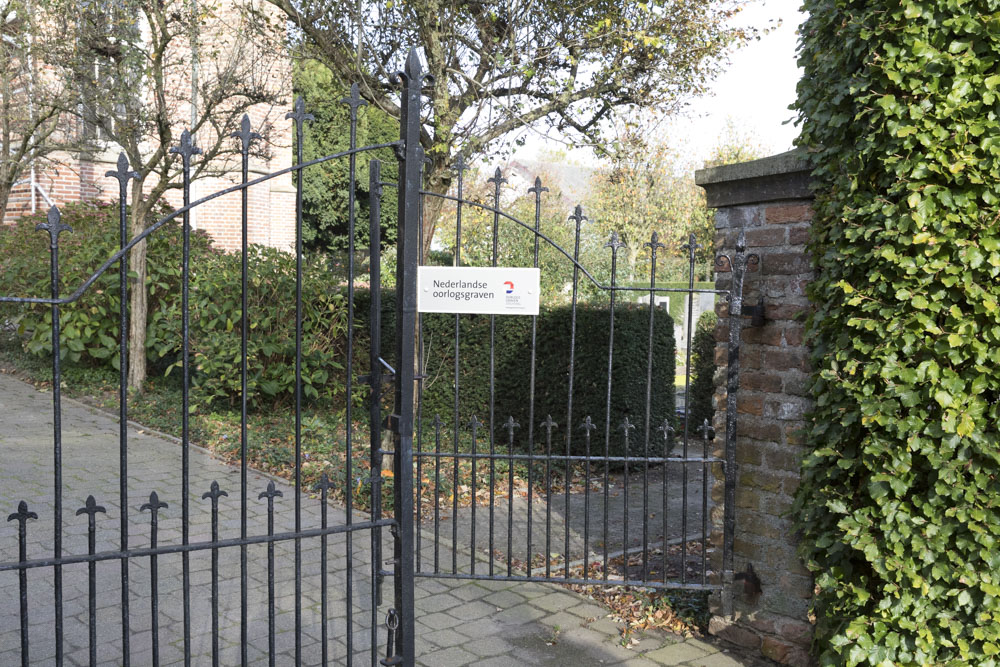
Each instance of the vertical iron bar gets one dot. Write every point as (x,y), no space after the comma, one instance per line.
(738,264)
(537,190)
(474,424)
(21,516)
(91,509)
(691,246)
(408,257)
(186,150)
(578,217)
(437,493)
(270,494)
(614,244)
(460,169)
(626,426)
(419,377)
(214,493)
(246,136)
(497,181)
(667,430)
(354,102)
(588,426)
(299,115)
(511,425)
(54,226)
(653,245)
(375,383)
(324,492)
(548,424)
(123,175)
(154,506)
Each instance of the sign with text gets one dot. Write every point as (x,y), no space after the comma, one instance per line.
(483,290)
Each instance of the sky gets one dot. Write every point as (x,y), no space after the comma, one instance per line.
(754,92)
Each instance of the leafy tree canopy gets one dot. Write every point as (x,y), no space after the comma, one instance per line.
(326,186)
(498,69)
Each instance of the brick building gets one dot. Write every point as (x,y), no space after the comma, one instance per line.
(63,178)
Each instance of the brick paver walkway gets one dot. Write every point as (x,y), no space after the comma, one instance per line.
(458,623)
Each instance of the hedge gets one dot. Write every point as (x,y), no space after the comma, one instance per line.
(899,506)
(512,364)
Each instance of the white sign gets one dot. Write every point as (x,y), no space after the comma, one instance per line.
(484,290)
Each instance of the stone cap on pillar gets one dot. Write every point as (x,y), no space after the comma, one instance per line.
(778,177)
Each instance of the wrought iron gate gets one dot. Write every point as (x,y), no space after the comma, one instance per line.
(423,506)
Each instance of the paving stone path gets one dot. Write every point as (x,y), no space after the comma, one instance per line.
(458,622)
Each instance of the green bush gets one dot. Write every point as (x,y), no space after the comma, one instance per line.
(215,331)
(899,507)
(702,371)
(512,370)
(89,326)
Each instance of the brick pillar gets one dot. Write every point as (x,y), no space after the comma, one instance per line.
(770,200)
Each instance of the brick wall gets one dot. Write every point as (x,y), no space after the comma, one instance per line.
(769,200)
(67,178)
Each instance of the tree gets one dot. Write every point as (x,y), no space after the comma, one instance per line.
(649,186)
(137,70)
(33,95)
(326,186)
(498,70)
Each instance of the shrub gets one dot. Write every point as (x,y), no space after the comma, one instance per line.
(702,371)
(215,329)
(89,326)
(512,370)
(899,507)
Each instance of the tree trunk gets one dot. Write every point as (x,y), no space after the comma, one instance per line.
(4,198)
(439,182)
(138,297)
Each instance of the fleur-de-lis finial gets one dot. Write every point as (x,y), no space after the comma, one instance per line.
(354,101)
(666,429)
(614,243)
(588,425)
(549,424)
(245,134)
(475,424)
(459,165)
(510,425)
(497,178)
(578,216)
(54,226)
(91,508)
(538,189)
(298,113)
(706,430)
(214,492)
(22,514)
(186,148)
(437,421)
(154,505)
(692,245)
(324,484)
(627,426)
(271,492)
(654,243)
(123,173)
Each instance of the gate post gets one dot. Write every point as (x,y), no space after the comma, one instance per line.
(407,257)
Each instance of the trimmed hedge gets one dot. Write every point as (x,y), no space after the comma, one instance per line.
(899,507)
(512,364)
(703,370)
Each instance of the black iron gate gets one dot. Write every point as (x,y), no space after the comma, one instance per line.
(585,525)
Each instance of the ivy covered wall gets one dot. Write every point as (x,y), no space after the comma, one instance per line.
(899,507)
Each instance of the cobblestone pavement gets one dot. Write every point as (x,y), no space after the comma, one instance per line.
(458,622)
